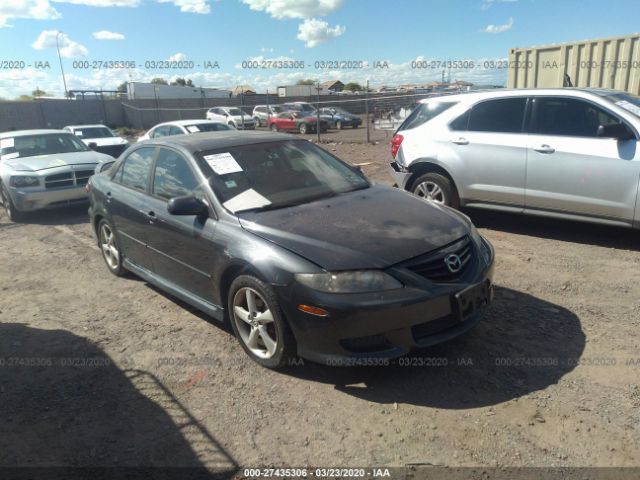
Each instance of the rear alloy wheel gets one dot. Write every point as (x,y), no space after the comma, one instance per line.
(274,127)
(339,125)
(109,247)
(258,323)
(13,213)
(436,188)
(303,128)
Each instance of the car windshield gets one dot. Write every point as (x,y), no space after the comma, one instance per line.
(33,145)
(630,103)
(207,127)
(277,174)
(277,109)
(234,111)
(93,132)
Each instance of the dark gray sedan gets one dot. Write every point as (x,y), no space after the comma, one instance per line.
(297,249)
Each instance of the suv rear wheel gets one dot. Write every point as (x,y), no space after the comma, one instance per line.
(436,188)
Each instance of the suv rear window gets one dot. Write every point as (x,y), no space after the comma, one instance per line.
(503,115)
(423,113)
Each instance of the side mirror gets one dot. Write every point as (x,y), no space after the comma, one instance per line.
(93,145)
(187,206)
(616,130)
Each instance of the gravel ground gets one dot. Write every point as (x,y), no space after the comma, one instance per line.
(99,370)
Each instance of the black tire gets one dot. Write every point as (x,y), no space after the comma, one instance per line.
(274,127)
(338,125)
(114,267)
(13,213)
(449,195)
(303,128)
(285,348)
(355,126)
(257,121)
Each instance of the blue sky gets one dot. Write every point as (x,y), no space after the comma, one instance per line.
(230,31)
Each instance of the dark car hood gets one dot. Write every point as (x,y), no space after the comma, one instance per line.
(372,228)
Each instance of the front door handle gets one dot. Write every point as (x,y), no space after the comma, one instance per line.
(544,149)
(108,197)
(460,141)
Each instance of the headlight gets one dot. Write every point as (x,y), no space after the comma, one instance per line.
(24,181)
(349,282)
(485,252)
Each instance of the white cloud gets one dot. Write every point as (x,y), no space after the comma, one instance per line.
(107,35)
(68,48)
(32,9)
(190,6)
(499,28)
(266,50)
(487,4)
(177,57)
(103,3)
(314,32)
(295,8)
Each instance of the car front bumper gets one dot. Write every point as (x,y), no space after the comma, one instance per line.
(32,199)
(385,324)
(400,175)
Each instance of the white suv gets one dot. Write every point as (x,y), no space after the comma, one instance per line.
(232,116)
(567,153)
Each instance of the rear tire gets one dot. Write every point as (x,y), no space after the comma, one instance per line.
(108,244)
(338,125)
(274,127)
(303,128)
(257,121)
(258,322)
(436,188)
(13,213)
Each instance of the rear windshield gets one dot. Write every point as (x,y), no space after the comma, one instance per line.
(93,132)
(423,113)
(207,127)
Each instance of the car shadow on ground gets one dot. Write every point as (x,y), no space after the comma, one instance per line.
(555,229)
(70,411)
(523,344)
(74,215)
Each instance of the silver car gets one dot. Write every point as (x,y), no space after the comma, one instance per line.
(44,169)
(566,153)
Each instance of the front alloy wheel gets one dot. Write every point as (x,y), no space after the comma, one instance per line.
(109,248)
(430,191)
(303,128)
(13,213)
(436,188)
(258,322)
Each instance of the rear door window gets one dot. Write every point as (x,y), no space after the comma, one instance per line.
(173,177)
(503,115)
(136,168)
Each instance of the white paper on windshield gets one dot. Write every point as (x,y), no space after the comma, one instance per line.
(9,156)
(629,106)
(78,133)
(193,129)
(247,199)
(7,143)
(223,163)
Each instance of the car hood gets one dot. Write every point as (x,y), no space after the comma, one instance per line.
(372,228)
(105,141)
(43,162)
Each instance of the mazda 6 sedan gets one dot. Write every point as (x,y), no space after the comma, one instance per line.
(295,248)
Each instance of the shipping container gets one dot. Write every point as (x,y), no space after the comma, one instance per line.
(142,91)
(605,63)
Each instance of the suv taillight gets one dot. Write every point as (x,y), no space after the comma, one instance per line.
(395,144)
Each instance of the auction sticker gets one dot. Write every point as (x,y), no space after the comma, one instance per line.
(6,143)
(223,163)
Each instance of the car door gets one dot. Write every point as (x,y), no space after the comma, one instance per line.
(127,200)
(181,245)
(570,169)
(488,143)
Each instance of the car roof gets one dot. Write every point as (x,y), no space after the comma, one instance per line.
(213,140)
(514,92)
(23,133)
(96,125)
(182,123)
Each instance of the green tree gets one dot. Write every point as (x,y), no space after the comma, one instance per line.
(159,81)
(353,87)
(122,87)
(182,82)
(308,81)
(38,93)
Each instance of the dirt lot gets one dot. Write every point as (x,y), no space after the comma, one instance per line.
(98,370)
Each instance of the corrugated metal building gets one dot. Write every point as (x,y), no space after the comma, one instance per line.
(605,63)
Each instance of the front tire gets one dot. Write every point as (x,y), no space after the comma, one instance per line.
(338,125)
(257,121)
(303,128)
(13,213)
(258,322)
(109,247)
(274,127)
(436,188)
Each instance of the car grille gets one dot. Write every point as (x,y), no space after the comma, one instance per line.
(432,266)
(68,179)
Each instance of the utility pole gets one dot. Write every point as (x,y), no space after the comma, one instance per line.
(366,109)
(64,80)
(318,112)
(242,105)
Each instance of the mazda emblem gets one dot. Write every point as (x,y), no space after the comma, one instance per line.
(453,262)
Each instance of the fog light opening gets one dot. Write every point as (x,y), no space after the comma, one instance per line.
(317,311)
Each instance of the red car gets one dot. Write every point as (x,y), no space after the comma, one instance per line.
(296,122)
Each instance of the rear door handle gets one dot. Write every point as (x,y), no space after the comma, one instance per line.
(544,149)
(460,141)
